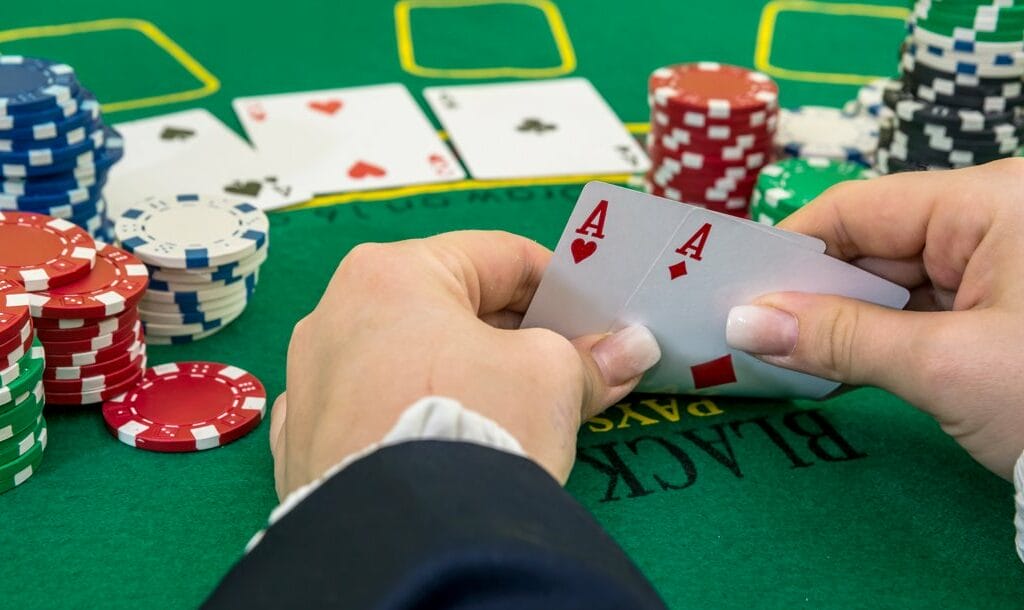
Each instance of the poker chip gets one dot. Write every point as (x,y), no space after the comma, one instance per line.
(85,358)
(191,231)
(712,129)
(23,441)
(787,185)
(29,84)
(204,254)
(819,131)
(20,469)
(55,348)
(13,312)
(90,329)
(117,282)
(187,406)
(55,150)
(961,94)
(14,351)
(102,368)
(43,252)
(19,415)
(90,389)
(30,371)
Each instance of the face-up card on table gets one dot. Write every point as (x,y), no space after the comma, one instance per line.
(531,129)
(711,266)
(353,139)
(192,151)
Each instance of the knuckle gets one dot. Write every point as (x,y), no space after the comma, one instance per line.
(835,343)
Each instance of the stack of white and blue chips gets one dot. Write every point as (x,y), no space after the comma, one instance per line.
(55,151)
(959,100)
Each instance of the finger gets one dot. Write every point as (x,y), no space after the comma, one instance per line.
(277,418)
(837,338)
(496,270)
(893,216)
(504,319)
(907,272)
(613,365)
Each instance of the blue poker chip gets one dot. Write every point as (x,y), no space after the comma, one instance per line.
(80,164)
(88,114)
(71,174)
(177,287)
(59,140)
(15,123)
(41,156)
(247,285)
(38,203)
(31,85)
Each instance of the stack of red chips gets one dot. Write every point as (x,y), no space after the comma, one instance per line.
(711,133)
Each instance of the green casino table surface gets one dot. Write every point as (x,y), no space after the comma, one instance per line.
(857,501)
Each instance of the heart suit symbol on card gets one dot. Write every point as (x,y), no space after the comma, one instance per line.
(362,169)
(582,249)
(328,107)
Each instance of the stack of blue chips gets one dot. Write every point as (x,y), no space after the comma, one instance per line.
(55,151)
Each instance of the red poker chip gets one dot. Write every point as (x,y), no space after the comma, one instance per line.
(13,312)
(761,120)
(10,357)
(97,396)
(97,382)
(43,252)
(697,159)
(718,89)
(671,139)
(77,323)
(187,406)
(116,283)
(102,355)
(700,188)
(104,367)
(95,328)
(89,345)
(17,339)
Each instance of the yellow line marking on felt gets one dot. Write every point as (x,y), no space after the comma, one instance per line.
(461,185)
(407,55)
(766,33)
(209,84)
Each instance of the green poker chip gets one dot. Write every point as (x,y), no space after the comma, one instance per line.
(30,371)
(787,185)
(22,442)
(18,471)
(23,414)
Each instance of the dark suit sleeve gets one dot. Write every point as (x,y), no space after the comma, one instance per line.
(437,525)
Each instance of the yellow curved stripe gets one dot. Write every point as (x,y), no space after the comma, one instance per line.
(209,84)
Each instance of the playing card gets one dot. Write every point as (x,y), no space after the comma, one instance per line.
(531,129)
(351,139)
(609,242)
(192,151)
(710,266)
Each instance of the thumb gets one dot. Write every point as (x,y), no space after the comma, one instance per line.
(834,337)
(613,364)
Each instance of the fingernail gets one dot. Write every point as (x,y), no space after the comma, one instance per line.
(626,354)
(765,331)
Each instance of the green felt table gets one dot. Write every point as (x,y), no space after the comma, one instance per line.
(857,501)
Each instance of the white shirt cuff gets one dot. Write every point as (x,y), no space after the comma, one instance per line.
(431,418)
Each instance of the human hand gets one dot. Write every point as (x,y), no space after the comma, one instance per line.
(434,317)
(956,239)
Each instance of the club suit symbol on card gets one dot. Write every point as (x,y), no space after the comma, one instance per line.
(593,226)
(536,126)
(281,189)
(362,169)
(177,133)
(256,112)
(692,249)
(328,107)
(627,155)
(713,373)
(448,101)
(249,188)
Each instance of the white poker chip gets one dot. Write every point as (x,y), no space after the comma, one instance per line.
(189,231)
(821,131)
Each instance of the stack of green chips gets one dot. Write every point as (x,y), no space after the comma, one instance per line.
(787,185)
(22,427)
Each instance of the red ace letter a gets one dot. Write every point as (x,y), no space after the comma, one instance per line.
(593,226)
(694,246)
